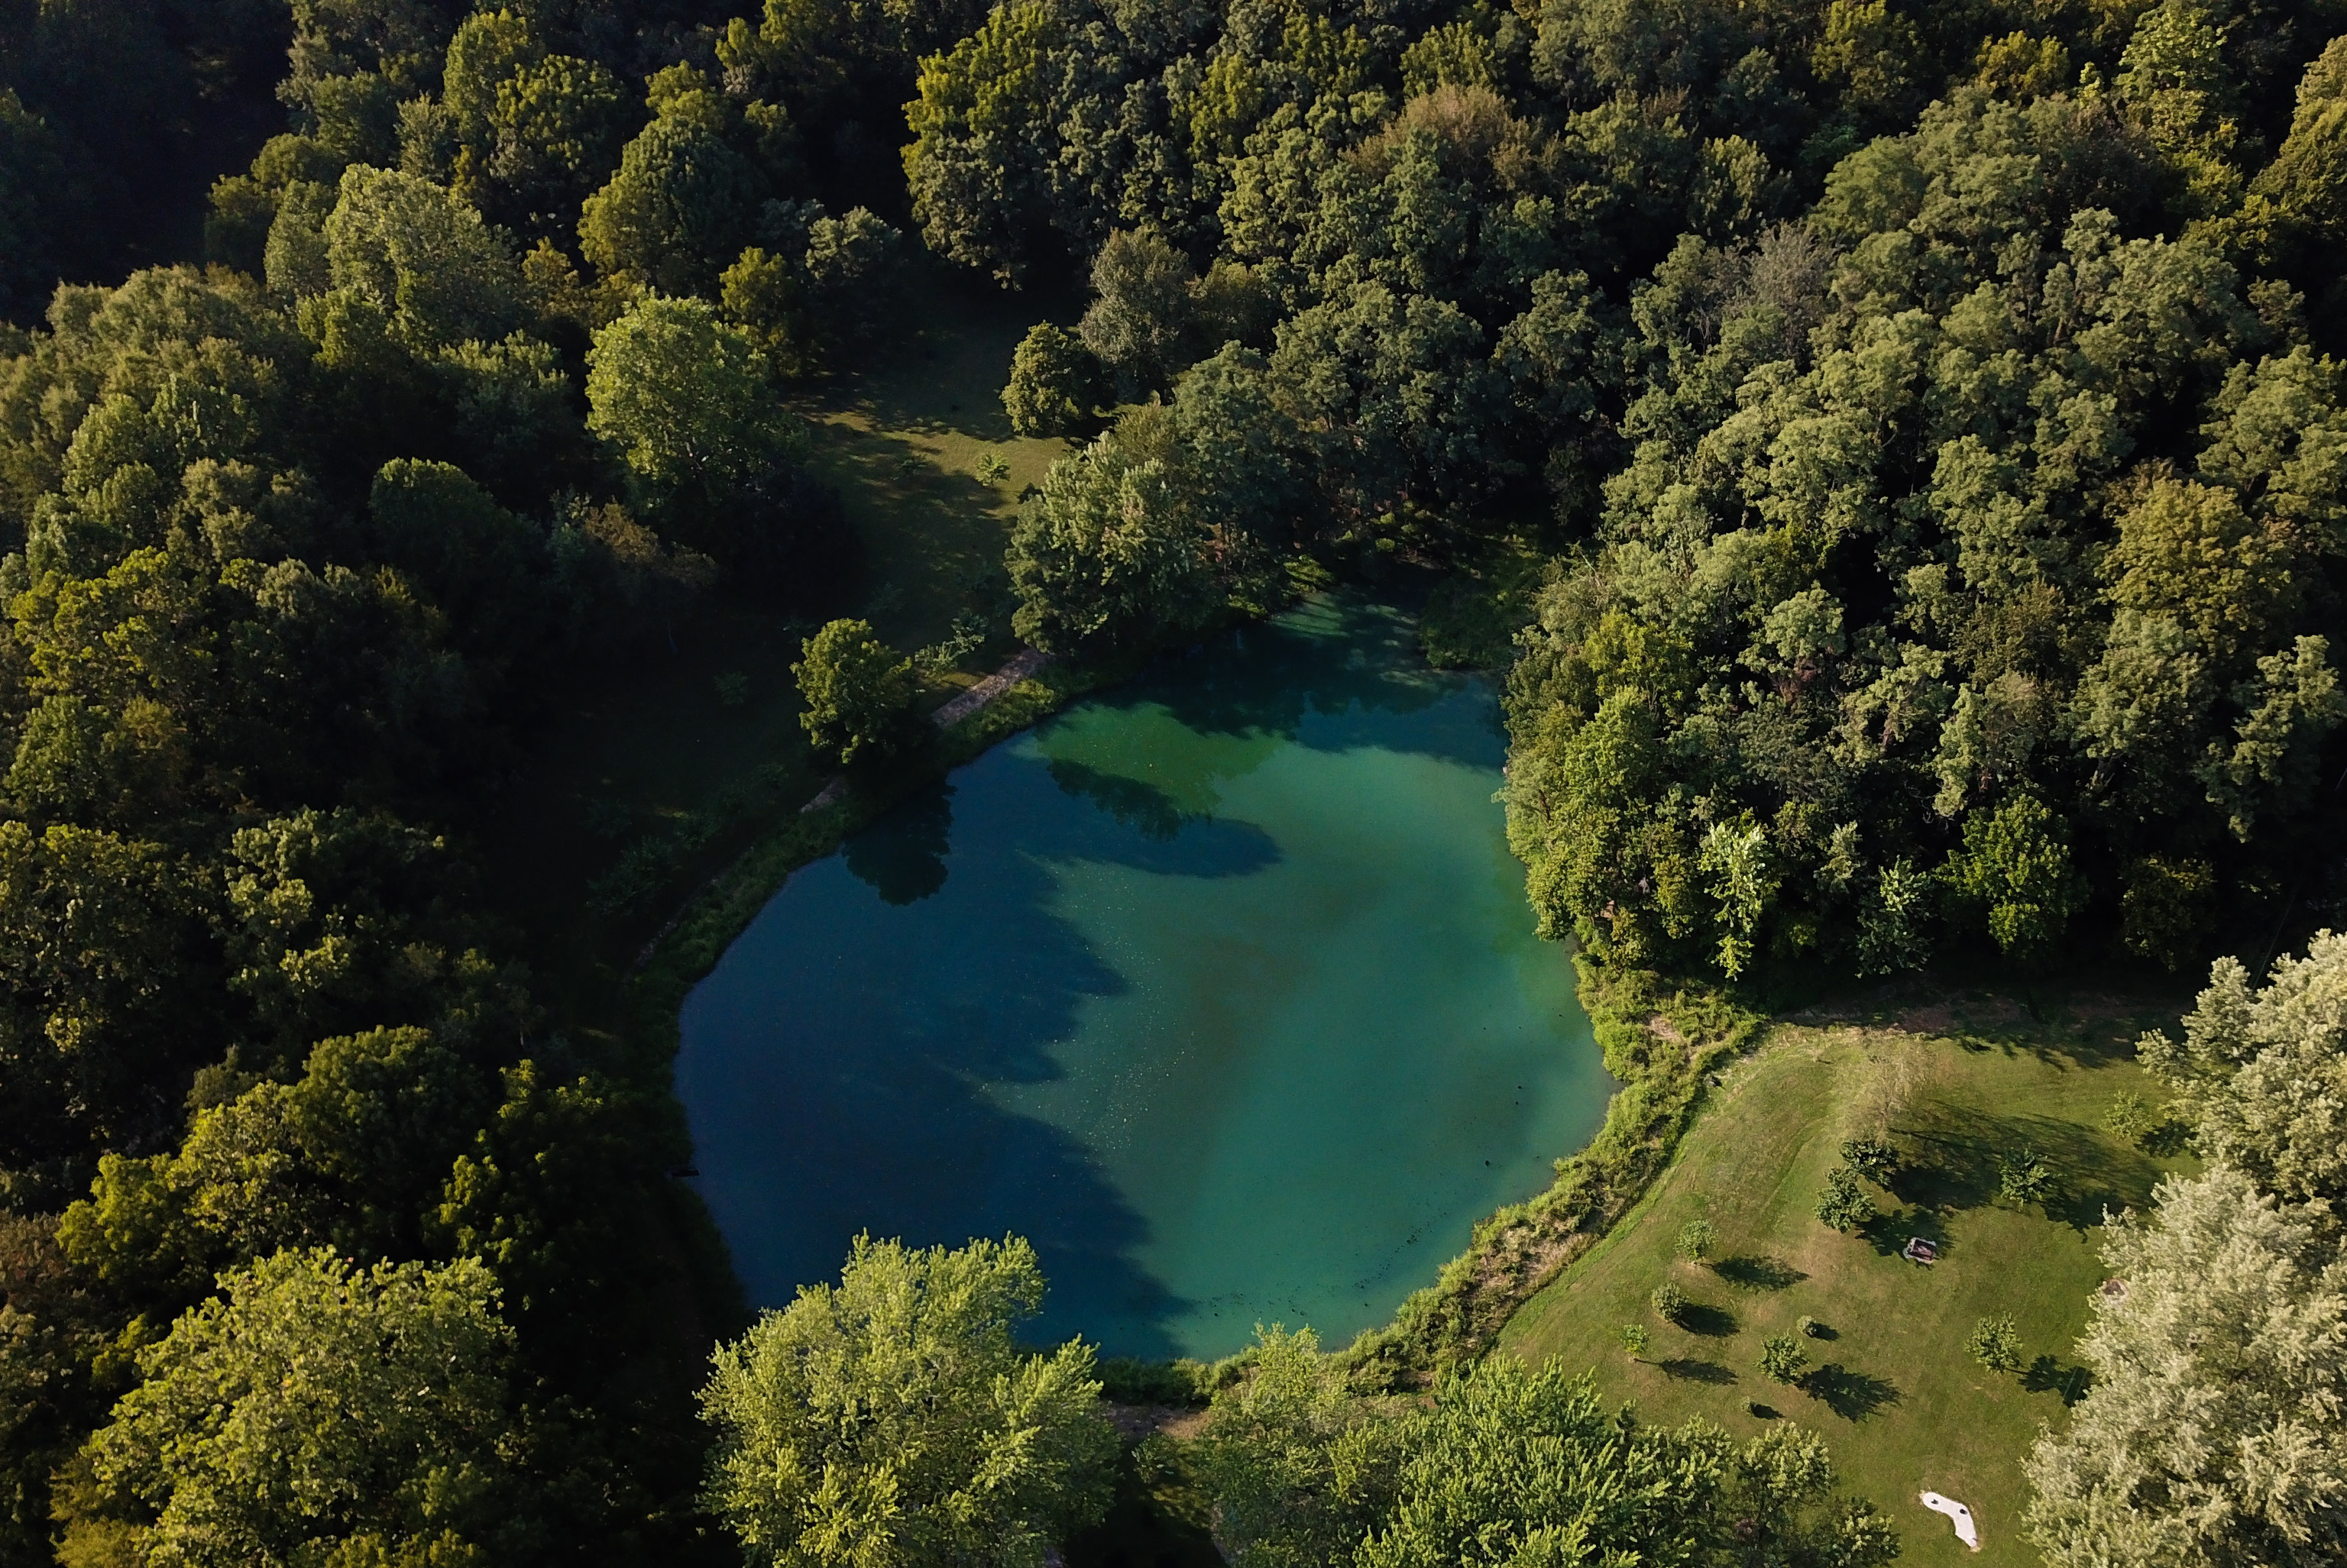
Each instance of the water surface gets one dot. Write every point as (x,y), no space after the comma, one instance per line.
(1220,989)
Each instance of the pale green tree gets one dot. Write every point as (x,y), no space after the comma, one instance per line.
(2212,1436)
(2261,1071)
(314,1406)
(891,1418)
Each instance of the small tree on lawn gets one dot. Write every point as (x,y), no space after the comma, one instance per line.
(1670,1301)
(1782,1358)
(1697,1239)
(1635,1339)
(1843,1205)
(1995,1344)
(2023,1178)
(857,689)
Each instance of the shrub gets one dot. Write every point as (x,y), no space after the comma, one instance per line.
(2023,1178)
(1670,1301)
(1808,1327)
(1697,1239)
(1782,1358)
(1842,1205)
(1871,1157)
(1635,1339)
(1995,1343)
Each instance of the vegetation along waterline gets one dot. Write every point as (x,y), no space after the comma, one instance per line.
(468,475)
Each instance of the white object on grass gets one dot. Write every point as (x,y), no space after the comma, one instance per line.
(1966,1532)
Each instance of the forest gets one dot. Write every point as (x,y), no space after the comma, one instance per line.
(1894,452)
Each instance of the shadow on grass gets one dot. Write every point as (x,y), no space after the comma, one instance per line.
(2047,1374)
(1693,1370)
(1755,1271)
(1711,1322)
(1956,1155)
(1889,1233)
(1853,1396)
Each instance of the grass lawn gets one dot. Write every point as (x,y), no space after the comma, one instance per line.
(641,783)
(1957,1085)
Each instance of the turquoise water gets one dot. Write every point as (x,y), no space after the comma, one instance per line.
(1220,989)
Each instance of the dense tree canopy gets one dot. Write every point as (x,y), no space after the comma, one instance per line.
(1916,433)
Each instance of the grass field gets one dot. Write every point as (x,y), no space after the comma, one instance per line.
(1958,1084)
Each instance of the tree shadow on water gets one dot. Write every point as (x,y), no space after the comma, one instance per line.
(855,1065)
(902,857)
(1339,672)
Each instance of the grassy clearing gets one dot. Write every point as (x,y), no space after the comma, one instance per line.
(1957,1085)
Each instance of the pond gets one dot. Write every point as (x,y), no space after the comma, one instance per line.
(1220,989)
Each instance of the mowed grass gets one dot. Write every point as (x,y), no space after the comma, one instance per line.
(646,778)
(1906,1407)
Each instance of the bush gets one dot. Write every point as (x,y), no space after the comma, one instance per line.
(1808,1327)
(1782,1358)
(2023,1178)
(1635,1339)
(1697,1239)
(1995,1343)
(1871,1157)
(1842,1205)
(1670,1301)
(857,688)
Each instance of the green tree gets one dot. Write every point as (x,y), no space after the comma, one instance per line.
(1053,383)
(685,403)
(1696,1241)
(317,1407)
(2014,866)
(1636,1340)
(1782,1359)
(1843,1205)
(1143,320)
(2261,1071)
(857,692)
(683,200)
(1995,1343)
(1106,553)
(422,256)
(1670,1302)
(892,1418)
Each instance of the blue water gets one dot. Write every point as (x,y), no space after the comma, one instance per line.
(1220,989)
